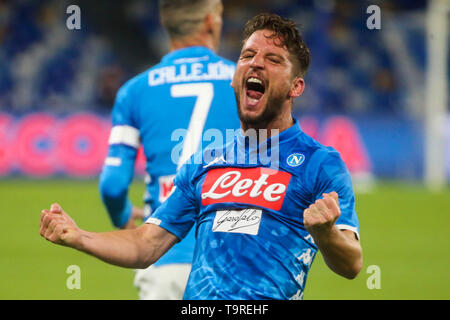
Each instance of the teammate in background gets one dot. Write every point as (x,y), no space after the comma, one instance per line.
(258,225)
(189,89)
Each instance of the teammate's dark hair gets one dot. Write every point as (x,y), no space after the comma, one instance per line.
(286,30)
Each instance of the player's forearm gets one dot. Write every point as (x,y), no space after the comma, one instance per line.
(113,193)
(121,248)
(341,253)
(114,182)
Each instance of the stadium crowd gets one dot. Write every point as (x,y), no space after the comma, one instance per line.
(354,70)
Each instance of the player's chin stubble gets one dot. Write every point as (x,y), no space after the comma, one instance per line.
(271,111)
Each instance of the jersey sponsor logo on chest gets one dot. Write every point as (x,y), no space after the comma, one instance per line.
(257,186)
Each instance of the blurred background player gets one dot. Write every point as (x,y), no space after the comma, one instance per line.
(189,89)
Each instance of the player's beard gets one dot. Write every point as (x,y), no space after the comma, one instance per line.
(271,111)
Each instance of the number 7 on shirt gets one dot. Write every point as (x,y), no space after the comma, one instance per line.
(204,93)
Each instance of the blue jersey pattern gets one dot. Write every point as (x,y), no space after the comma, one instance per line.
(149,109)
(270,257)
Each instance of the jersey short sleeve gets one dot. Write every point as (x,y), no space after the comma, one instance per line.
(333,175)
(124,129)
(123,105)
(178,213)
(118,170)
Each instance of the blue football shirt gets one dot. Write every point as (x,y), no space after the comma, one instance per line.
(248,212)
(166,109)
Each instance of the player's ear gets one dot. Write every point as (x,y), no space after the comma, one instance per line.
(297,87)
(209,23)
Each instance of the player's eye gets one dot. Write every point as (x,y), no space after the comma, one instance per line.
(246,56)
(274,60)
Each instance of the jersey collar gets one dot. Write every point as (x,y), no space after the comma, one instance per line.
(185,54)
(282,137)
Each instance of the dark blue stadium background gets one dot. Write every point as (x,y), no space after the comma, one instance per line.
(372,77)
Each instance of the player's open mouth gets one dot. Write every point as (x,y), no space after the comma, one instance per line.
(254,89)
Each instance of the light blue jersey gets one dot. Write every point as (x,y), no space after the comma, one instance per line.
(166,109)
(251,240)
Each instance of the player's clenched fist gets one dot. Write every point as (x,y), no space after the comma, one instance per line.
(321,215)
(59,228)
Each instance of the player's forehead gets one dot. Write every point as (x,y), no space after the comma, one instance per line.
(265,41)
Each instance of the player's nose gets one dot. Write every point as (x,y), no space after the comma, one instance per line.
(257,62)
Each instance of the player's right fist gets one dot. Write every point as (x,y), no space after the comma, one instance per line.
(59,228)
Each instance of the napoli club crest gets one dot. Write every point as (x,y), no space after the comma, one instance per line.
(295,159)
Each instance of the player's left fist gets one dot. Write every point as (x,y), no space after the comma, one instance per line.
(321,216)
(56,226)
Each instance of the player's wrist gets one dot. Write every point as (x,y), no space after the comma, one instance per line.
(324,235)
(81,242)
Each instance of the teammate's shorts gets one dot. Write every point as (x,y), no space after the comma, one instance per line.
(166,282)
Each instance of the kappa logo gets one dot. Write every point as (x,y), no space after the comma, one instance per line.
(216,160)
(295,159)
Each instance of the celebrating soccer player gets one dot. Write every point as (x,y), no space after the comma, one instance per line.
(258,225)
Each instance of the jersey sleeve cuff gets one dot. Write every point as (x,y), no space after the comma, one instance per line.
(166,226)
(348,227)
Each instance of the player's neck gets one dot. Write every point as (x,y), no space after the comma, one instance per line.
(277,125)
(193,41)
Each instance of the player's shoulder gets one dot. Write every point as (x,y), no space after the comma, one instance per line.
(317,152)
(205,160)
(134,84)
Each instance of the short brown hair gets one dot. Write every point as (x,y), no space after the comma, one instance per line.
(182,18)
(287,31)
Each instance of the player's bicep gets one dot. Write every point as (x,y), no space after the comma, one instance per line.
(334,176)
(176,214)
(179,212)
(351,236)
